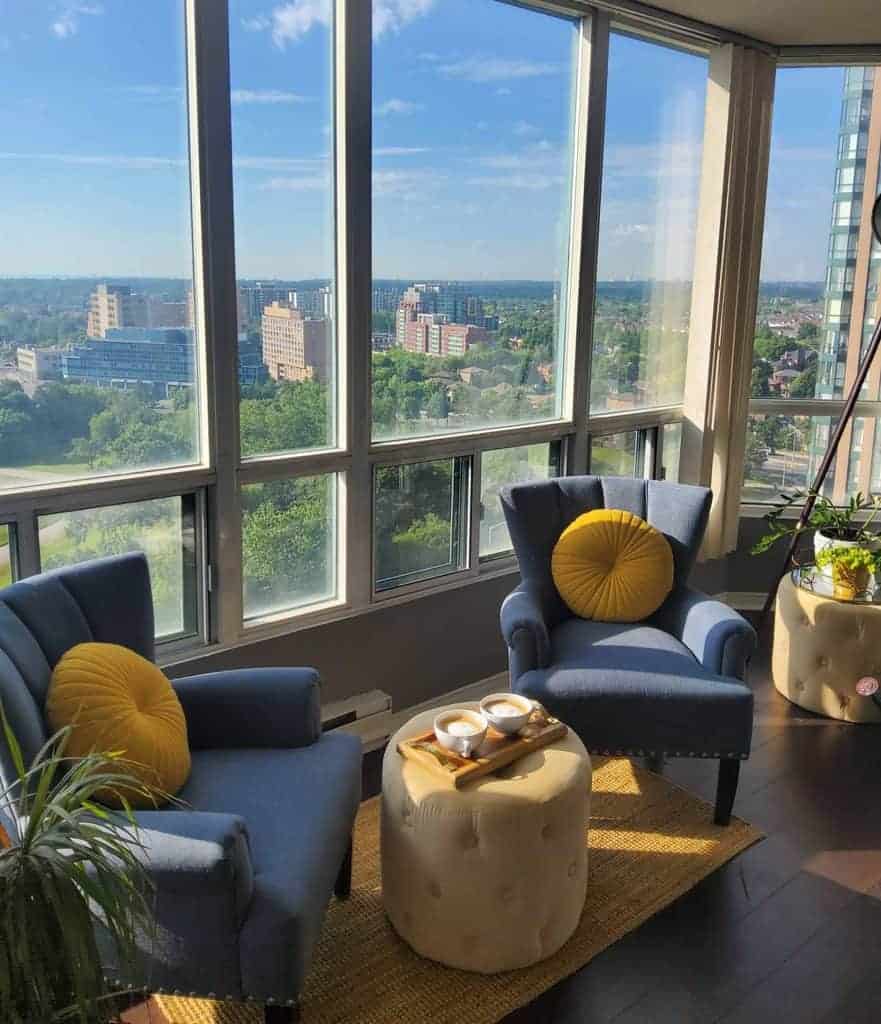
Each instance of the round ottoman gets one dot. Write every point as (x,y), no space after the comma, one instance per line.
(822,647)
(492,876)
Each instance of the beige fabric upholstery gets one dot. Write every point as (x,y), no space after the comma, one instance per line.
(821,648)
(493,876)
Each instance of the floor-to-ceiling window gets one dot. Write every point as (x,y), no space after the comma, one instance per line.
(291,291)
(818,291)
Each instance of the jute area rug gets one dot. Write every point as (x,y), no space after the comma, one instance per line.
(650,842)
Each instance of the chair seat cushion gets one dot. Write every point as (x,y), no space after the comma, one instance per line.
(634,689)
(299,806)
(611,565)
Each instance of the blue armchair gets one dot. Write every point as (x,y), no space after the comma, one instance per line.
(669,686)
(244,873)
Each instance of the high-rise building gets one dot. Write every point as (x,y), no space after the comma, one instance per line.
(385,300)
(852,296)
(316,302)
(295,347)
(37,365)
(158,360)
(112,306)
(431,334)
(161,313)
(427,310)
(254,298)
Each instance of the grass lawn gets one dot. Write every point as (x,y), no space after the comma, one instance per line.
(61,468)
(5,567)
(611,461)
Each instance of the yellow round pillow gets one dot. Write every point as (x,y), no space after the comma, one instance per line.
(611,565)
(115,700)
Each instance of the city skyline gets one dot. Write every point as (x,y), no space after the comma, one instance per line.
(496,106)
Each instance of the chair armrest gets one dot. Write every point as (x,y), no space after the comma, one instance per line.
(201,858)
(255,707)
(525,629)
(719,637)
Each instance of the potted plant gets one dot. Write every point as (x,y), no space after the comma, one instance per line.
(67,864)
(836,526)
(851,569)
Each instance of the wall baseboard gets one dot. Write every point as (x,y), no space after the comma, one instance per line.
(743,600)
(375,729)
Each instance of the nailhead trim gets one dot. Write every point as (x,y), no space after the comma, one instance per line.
(631,752)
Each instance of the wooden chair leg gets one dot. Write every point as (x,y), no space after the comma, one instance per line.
(342,888)
(729,770)
(281,1014)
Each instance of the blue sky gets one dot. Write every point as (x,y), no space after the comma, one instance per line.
(804,142)
(471,133)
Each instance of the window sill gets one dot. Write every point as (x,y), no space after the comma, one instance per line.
(313,618)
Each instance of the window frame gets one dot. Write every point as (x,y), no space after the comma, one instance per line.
(847,58)
(216,482)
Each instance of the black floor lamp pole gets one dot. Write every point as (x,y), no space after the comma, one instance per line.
(846,415)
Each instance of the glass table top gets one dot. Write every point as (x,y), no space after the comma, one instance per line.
(814,579)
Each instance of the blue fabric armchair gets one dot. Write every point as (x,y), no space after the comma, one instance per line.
(244,873)
(669,686)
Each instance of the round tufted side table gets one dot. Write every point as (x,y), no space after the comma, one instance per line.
(492,876)
(822,647)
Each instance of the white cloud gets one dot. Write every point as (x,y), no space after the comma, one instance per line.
(266,96)
(680,160)
(541,158)
(305,165)
(290,21)
(629,230)
(535,168)
(524,128)
(310,183)
(400,150)
(410,184)
(497,69)
(120,160)
(396,106)
(533,182)
(67,23)
(393,15)
(154,93)
(503,91)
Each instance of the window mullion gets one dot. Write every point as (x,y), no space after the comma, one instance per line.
(26,549)
(215,296)
(587,172)
(476,508)
(353,26)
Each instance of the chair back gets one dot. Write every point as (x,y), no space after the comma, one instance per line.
(107,600)
(537,513)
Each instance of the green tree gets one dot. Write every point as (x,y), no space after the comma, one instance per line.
(805,384)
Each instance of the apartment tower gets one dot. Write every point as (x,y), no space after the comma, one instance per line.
(852,296)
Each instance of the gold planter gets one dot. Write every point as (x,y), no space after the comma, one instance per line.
(848,584)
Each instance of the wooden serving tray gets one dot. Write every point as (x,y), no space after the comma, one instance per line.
(496,751)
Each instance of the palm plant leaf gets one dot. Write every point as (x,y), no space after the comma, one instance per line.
(70,866)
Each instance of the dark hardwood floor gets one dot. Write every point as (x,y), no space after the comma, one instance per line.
(789,931)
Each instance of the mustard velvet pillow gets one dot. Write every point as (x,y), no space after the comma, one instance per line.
(115,700)
(611,565)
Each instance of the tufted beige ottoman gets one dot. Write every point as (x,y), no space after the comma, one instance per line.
(821,648)
(492,876)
